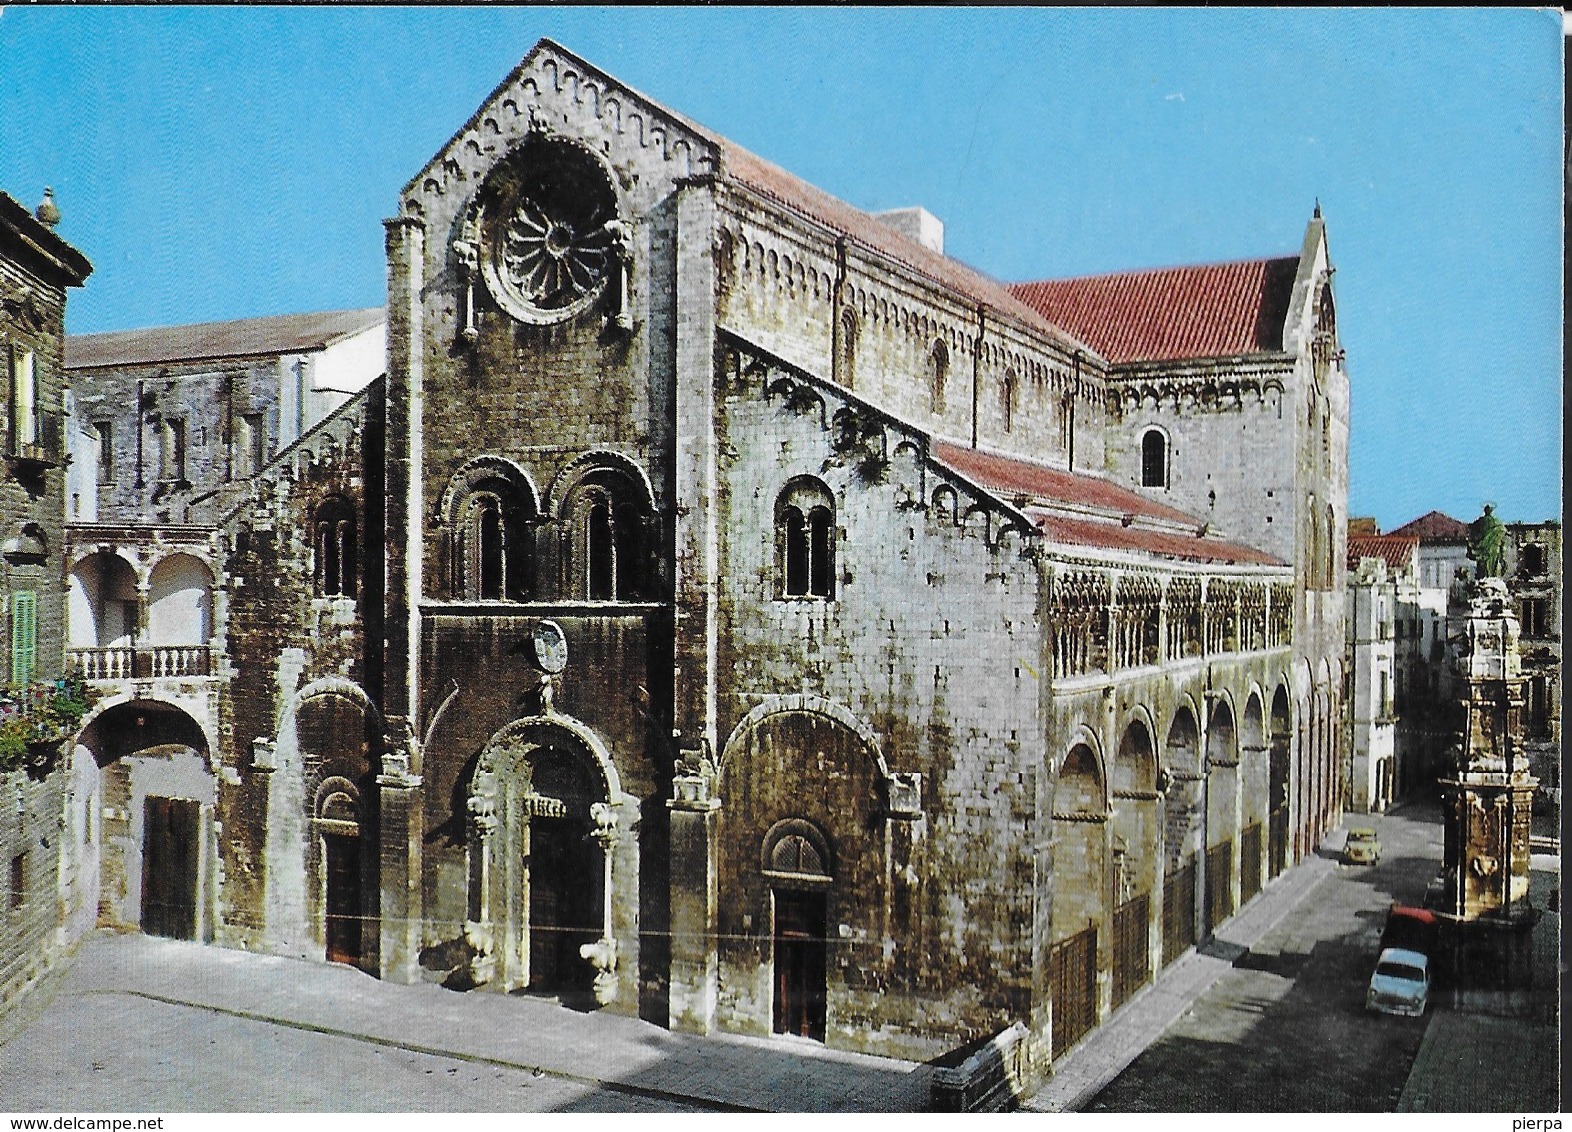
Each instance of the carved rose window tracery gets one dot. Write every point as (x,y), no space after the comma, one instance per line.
(547,233)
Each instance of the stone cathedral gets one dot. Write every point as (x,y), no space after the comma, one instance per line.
(725,608)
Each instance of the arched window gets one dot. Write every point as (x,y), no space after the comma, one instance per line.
(1007,394)
(796,853)
(1332,545)
(1154,458)
(335,564)
(846,349)
(495,553)
(938,373)
(805,539)
(605,525)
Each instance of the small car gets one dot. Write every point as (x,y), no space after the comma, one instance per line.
(1400,984)
(1361,847)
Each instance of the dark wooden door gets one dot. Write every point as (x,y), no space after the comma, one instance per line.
(1219,884)
(800,964)
(343,911)
(169,866)
(564,903)
(1178,911)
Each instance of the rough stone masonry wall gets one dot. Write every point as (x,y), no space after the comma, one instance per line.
(280,637)
(211,398)
(930,643)
(30,812)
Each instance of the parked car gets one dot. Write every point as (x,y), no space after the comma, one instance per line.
(1400,984)
(1361,847)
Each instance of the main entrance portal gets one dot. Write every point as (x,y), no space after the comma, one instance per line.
(170,844)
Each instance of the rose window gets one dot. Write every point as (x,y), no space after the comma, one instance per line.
(550,231)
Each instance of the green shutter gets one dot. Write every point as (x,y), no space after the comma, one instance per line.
(24,636)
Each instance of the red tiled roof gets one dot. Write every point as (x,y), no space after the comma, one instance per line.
(1173,313)
(1434,527)
(1397,551)
(238,338)
(1089,532)
(785,188)
(1010,476)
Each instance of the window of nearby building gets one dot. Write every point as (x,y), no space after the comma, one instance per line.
(805,539)
(172,450)
(24,636)
(1154,458)
(105,431)
(24,398)
(1531,559)
(335,565)
(1535,623)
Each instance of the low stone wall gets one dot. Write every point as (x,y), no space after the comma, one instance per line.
(992,1079)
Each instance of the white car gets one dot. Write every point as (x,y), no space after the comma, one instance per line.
(1401,983)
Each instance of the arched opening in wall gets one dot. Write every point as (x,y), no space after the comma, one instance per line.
(335,563)
(797,863)
(1154,458)
(154,849)
(1222,800)
(938,376)
(606,523)
(1279,760)
(336,740)
(1008,394)
(495,556)
(1316,555)
(1253,800)
(1137,837)
(1181,770)
(1080,815)
(101,615)
(846,349)
(179,619)
(1334,547)
(805,539)
(180,602)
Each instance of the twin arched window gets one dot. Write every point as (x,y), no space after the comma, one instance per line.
(334,552)
(606,527)
(1154,458)
(805,539)
(496,552)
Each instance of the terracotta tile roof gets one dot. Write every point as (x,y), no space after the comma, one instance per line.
(1009,477)
(785,188)
(1172,313)
(1434,526)
(239,338)
(1112,536)
(1400,552)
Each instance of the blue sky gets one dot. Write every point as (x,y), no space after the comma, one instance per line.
(216,163)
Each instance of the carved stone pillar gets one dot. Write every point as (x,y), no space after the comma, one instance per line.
(694,904)
(400,843)
(602,954)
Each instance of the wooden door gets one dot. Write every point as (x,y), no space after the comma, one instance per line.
(800,964)
(170,840)
(341,863)
(565,876)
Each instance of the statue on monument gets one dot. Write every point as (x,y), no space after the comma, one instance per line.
(1487,544)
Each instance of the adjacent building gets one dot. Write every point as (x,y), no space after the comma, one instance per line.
(37,268)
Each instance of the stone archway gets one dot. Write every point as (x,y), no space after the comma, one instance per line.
(1279,781)
(1137,864)
(1181,778)
(1254,798)
(1222,815)
(550,863)
(148,854)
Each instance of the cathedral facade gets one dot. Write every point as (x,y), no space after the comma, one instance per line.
(728,608)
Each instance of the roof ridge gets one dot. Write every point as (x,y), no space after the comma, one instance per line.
(381,310)
(1138,271)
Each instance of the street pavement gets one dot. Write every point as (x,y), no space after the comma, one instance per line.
(143,1024)
(1267,1016)
(1270,1015)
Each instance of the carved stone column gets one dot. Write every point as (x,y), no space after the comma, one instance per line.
(694,904)
(602,954)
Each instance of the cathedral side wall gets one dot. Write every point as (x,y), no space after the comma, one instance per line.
(931,644)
